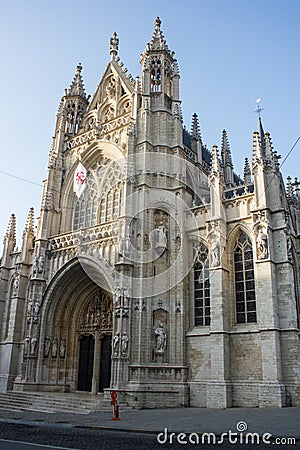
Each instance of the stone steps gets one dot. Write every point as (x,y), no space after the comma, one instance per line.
(51,403)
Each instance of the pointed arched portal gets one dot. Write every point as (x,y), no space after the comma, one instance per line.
(77,326)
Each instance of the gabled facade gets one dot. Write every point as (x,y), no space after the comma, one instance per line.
(154,270)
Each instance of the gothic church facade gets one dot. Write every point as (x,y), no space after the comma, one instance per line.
(154,270)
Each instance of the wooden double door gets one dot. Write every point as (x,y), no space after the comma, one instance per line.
(94,368)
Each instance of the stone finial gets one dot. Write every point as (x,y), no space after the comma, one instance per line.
(195,131)
(157,22)
(114,46)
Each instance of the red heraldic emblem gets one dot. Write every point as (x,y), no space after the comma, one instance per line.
(79,179)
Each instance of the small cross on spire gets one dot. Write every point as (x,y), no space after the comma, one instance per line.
(259,109)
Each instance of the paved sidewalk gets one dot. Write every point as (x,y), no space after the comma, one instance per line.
(284,422)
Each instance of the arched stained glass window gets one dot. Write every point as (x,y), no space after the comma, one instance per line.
(244,280)
(201,286)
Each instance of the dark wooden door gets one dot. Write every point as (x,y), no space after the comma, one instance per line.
(105,365)
(86,361)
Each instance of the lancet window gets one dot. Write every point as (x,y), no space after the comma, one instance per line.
(244,280)
(101,200)
(201,285)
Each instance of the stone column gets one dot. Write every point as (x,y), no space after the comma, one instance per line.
(96,363)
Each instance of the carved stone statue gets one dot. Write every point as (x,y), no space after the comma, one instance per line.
(36,309)
(29,310)
(158,237)
(124,344)
(41,264)
(62,348)
(33,344)
(47,345)
(118,295)
(54,347)
(161,339)
(116,344)
(15,286)
(215,251)
(26,345)
(35,266)
(262,244)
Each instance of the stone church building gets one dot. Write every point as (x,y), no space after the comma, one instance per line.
(154,269)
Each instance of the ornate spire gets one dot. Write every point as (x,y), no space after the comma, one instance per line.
(77,86)
(114,46)
(10,235)
(262,136)
(158,41)
(247,172)
(195,130)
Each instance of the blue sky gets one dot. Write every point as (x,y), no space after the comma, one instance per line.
(229,53)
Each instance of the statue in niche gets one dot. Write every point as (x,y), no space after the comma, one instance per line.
(54,347)
(215,245)
(124,344)
(118,295)
(262,244)
(36,311)
(62,348)
(124,245)
(47,345)
(26,345)
(158,237)
(29,310)
(41,264)
(116,344)
(161,339)
(35,266)
(33,344)
(15,285)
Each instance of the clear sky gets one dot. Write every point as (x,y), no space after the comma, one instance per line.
(230,52)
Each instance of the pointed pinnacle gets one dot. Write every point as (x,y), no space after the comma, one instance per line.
(11,230)
(77,86)
(30,221)
(225,150)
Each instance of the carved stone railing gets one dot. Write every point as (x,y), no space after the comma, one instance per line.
(84,236)
(158,373)
(82,138)
(98,131)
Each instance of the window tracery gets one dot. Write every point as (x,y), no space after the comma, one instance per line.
(102,198)
(244,280)
(201,286)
